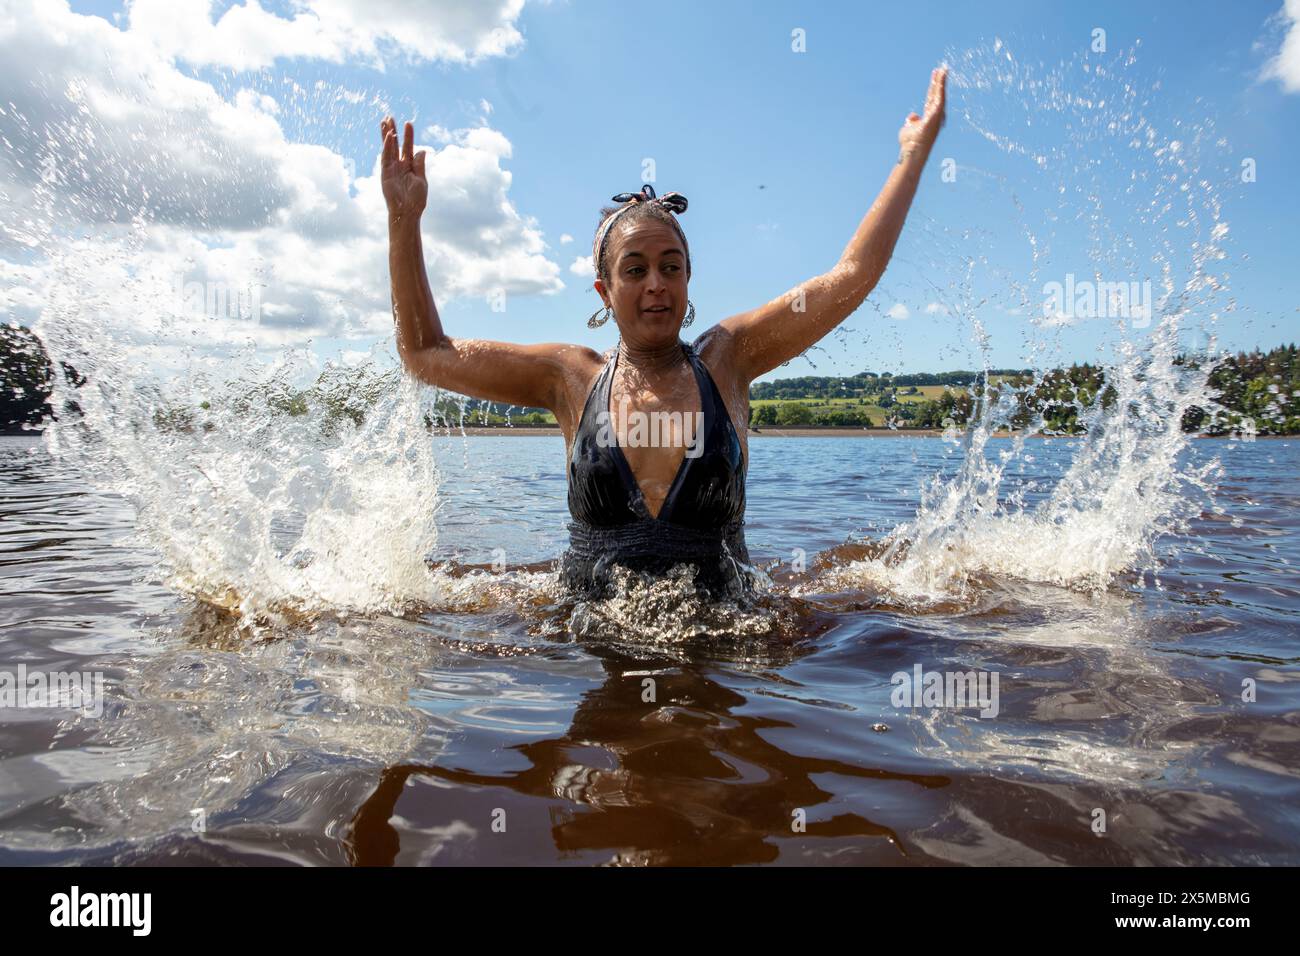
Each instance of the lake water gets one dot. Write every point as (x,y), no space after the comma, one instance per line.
(1154,719)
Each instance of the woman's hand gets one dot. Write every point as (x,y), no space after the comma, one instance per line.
(405,188)
(919,132)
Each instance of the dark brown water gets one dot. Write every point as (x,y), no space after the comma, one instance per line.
(523,732)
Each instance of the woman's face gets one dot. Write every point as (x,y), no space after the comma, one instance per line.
(647,283)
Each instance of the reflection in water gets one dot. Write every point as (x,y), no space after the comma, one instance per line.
(375,739)
(1091,718)
(680,780)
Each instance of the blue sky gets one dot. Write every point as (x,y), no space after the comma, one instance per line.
(715,95)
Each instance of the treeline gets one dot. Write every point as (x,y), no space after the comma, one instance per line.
(1255,389)
(1056,398)
(1259,388)
(866,384)
(340,392)
(25,380)
(1262,387)
(802,415)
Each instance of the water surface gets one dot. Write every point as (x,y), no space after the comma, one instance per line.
(500,731)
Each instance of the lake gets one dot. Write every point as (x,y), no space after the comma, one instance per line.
(1151,719)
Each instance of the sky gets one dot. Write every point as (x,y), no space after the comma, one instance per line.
(244,138)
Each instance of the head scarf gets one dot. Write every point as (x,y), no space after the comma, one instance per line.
(673,202)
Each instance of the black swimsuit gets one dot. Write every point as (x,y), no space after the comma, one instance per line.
(701,522)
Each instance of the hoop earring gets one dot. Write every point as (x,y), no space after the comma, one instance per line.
(593,323)
(690,313)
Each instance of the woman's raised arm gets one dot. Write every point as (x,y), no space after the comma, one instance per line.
(531,375)
(763,338)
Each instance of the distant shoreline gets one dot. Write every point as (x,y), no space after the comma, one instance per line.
(827,431)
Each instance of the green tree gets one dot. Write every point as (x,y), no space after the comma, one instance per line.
(794,415)
(26,376)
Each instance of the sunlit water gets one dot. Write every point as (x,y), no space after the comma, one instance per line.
(380,738)
(328,641)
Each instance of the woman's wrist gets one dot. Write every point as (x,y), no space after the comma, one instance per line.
(914,154)
(403,224)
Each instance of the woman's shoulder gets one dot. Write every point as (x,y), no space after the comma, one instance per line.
(714,346)
(713,339)
(582,357)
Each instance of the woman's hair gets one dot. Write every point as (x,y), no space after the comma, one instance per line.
(640,211)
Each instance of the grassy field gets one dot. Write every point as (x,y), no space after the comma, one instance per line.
(877,413)
(867,404)
(925,393)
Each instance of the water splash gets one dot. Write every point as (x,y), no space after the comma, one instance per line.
(667,613)
(268,485)
(1130,483)
(253,507)
(1125,488)
(257,495)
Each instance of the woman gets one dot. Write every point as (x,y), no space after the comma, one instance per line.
(656,435)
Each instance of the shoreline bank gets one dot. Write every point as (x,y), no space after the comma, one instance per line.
(826,432)
(537,431)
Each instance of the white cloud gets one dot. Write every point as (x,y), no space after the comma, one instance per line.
(20,296)
(1285,65)
(126,130)
(565,239)
(487,140)
(220,196)
(899,311)
(248,37)
(582,266)
(936,308)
